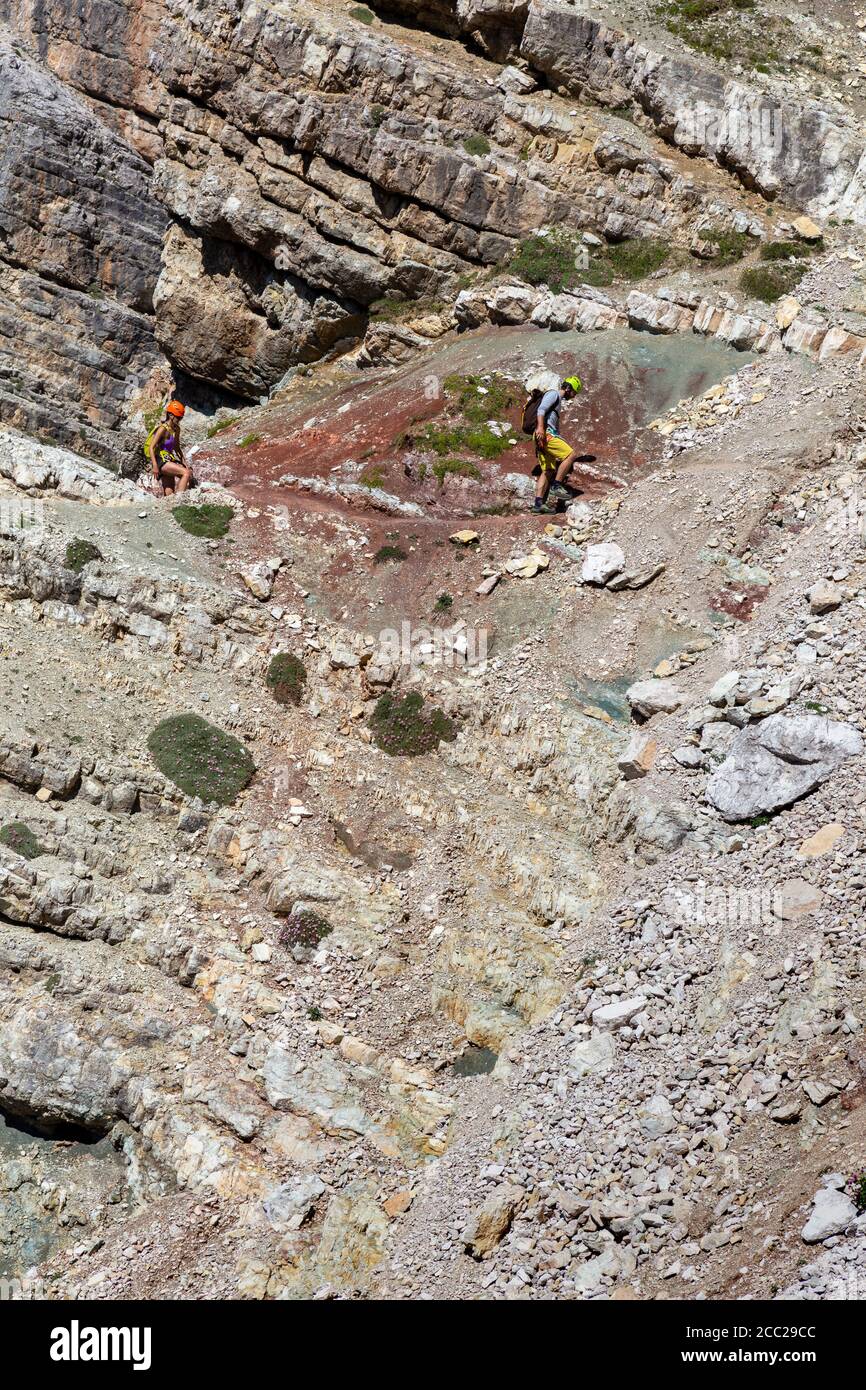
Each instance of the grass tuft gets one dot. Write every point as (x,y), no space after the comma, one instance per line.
(209,519)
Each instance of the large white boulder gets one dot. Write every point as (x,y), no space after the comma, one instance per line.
(776,762)
(832,1213)
(601,562)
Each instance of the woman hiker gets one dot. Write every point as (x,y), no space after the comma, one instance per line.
(170,469)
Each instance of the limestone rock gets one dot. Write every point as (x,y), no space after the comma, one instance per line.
(832,1213)
(659,695)
(778,761)
(601,563)
(492,1220)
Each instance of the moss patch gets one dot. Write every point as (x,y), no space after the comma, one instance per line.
(80,553)
(286,677)
(20,838)
(249,440)
(362,14)
(201,759)
(405,728)
(209,519)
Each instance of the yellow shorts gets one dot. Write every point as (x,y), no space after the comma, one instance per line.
(551,456)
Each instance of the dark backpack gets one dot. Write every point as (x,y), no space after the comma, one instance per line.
(529,423)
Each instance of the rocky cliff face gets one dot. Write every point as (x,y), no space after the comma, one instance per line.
(229,189)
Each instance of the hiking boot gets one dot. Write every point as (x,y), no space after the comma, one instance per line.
(543,510)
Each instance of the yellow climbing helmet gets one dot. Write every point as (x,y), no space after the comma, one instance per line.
(574,382)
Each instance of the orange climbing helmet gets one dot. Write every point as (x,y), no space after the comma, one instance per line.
(175,408)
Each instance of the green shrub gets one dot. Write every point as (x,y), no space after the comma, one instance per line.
(304,929)
(496,396)
(80,553)
(209,519)
(20,838)
(286,677)
(462,467)
(731,246)
(443,603)
(547,260)
(785,250)
(476,144)
(377,116)
(249,440)
(388,553)
(473,439)
(771,282)
(222,425)
(372,477)
(632,260)
(360,12)
(405,728)
(201,759)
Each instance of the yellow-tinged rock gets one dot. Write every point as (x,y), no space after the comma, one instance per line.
(787,310)
(43,794)
(806,229)
(596,712)
(665,668)
(464,537)
(398,1203)
(758,397)
(822,841)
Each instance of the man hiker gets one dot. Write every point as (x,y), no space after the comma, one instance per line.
(170,469)
(554,457)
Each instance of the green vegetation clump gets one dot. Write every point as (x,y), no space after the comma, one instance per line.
(785,251)
(387,554)
(209,519)
(377,116)
(547,260)
(286,677)
(443,603)
(222,425)
(201,759)
(391,308)
(304,929)
(770,282)
(405,728)
(632,260)
(560,261)
(360,12)
(730,246)
(249,440)
(461,467)
(856,1189)
(372,477)
(20,838)
(724,30)
(472,439)
(80,553)
(476,144)
(482,398)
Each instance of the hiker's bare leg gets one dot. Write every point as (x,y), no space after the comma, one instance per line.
(170,471)
(565,467)
(542,486)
